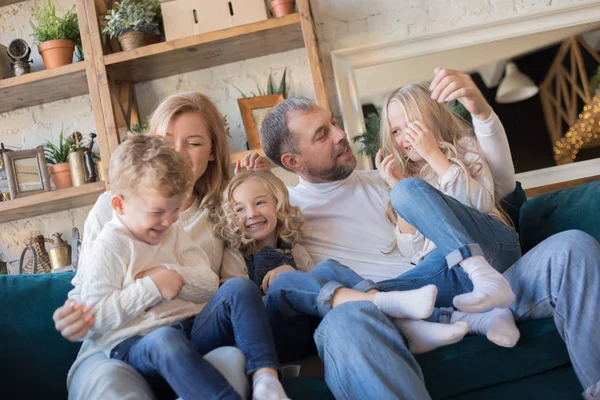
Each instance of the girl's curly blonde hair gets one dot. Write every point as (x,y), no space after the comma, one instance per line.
(290,221)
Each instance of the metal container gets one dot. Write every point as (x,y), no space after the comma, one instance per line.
(77,166)
(60,253)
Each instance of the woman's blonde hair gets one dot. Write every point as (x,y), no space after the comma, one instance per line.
(211,184)
(290,221)
(448,129)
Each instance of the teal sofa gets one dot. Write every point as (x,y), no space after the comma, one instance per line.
(34,358)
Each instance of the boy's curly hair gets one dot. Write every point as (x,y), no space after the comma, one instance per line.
(290,221)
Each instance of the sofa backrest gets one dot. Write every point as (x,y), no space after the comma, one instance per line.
(576,208)
(34,357)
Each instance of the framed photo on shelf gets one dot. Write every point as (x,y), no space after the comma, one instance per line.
(26,172)
(254,110)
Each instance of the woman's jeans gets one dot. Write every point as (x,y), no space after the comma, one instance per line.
(234,316)
(458,231)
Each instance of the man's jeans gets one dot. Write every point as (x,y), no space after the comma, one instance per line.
(234,315)
(458,231)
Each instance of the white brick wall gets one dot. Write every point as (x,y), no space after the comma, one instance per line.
(339,24)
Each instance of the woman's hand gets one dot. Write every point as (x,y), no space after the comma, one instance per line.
(388,169)
(168,282)
(73,320)
(252,161)
(448,85)
(274,273)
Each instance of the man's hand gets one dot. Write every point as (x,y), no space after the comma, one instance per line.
(448,85)
(274,273)
(73,320)
(168,282)
(252,161)
(388,169)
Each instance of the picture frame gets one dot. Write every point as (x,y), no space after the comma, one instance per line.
(26,172)
(253,111)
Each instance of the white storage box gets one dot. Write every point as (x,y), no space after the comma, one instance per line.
(183,18)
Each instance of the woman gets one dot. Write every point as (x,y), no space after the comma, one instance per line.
(194,126)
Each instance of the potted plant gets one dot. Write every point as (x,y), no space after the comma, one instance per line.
(57,157)
(56,36)
(134,23)
(283,7)
(369,141)
(282,89)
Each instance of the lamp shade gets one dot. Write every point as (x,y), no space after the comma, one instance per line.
(516,86)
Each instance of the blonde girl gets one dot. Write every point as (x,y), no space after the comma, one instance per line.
(442,197)
(261,229)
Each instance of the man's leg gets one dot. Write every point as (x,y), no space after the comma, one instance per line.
(365,357)
(560,277)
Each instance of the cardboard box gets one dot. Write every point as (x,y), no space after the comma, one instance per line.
(5,69)
(182,18)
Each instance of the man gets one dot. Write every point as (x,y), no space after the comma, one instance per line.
(364,354)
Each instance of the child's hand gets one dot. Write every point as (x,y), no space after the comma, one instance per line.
(168,282)
(422,140)
(252,161)
(388,169)
(274,273)
(73,320)
(448,85)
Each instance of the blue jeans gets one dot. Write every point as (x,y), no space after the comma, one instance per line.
(560,278)
(458,231)
(234,315)
(296,302)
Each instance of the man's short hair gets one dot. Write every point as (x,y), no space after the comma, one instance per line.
(147,161)
(275,136)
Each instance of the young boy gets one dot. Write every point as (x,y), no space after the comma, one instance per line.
(144,278)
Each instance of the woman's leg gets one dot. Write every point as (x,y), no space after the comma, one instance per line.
(464,236)
(101,378)
(168,352)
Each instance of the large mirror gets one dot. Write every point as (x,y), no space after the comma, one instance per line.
(540,74)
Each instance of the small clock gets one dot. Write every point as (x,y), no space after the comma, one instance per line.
(19,50)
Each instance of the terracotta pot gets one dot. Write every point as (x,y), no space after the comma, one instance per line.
(283,7)
(61,175)
(132,40)
(56,53)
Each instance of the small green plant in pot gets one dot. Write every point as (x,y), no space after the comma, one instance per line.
(57,37)
(134,23)
(57,156)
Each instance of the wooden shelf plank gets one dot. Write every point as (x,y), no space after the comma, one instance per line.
(49,202)
(206,50)
(9,2)
(43,87)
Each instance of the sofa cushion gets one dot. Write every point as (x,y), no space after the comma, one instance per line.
(475,363)
(36,358)
(512,204)
(543,216)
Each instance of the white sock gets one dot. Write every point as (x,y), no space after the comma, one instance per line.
(490,289)
(413,304)
(497,325)
(268,387)
(423,336)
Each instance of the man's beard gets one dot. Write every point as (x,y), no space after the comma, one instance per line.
(336,172)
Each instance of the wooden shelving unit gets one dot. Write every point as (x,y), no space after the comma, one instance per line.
(109,79)
(49,202)
(43,87)
(9,2)
(207,50)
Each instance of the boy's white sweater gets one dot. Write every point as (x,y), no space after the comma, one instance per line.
(124,306)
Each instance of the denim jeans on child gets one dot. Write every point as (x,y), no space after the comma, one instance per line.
(234,315)
(458,231)
(267,259)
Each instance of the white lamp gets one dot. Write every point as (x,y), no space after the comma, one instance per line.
(516,86)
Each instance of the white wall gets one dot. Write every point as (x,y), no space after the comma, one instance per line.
(339,24)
